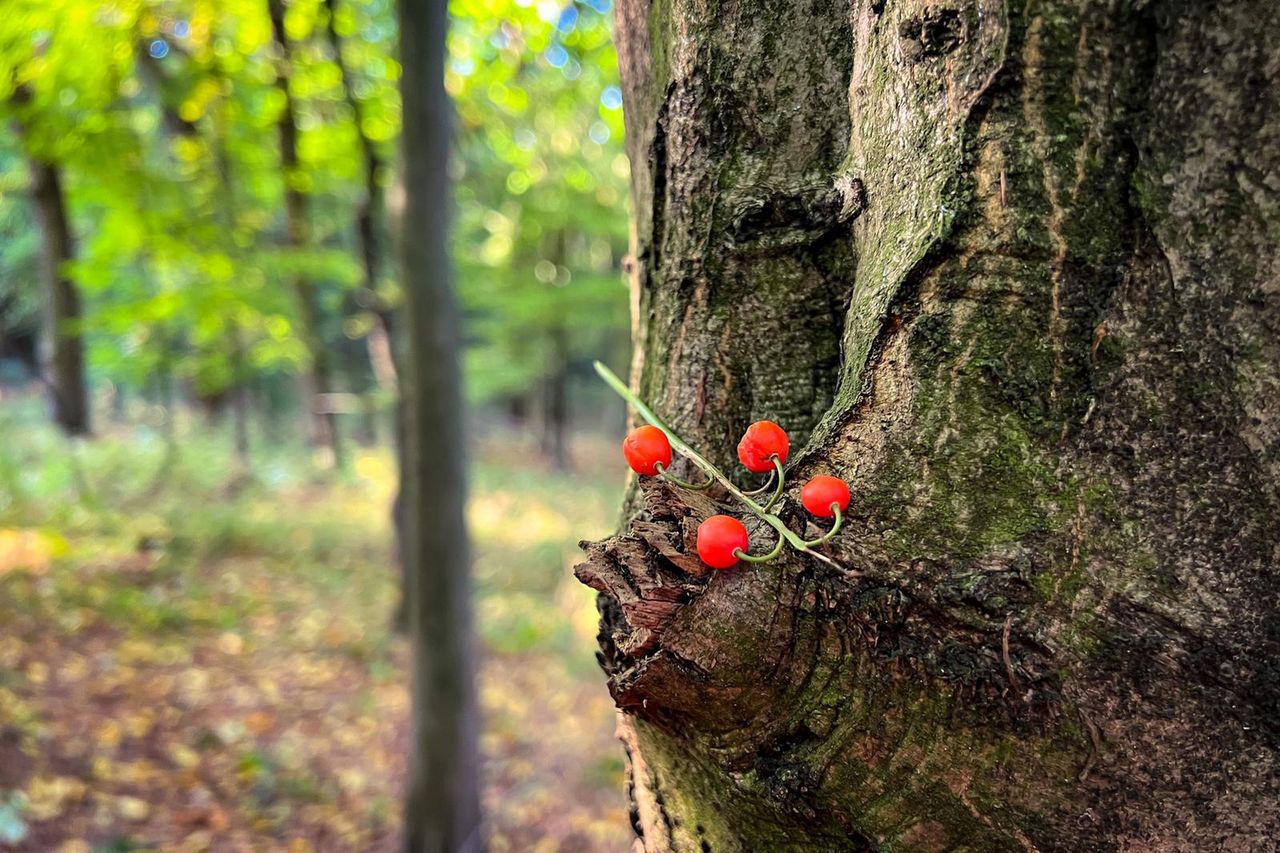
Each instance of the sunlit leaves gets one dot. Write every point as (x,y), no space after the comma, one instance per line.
(537,185)
(162,115)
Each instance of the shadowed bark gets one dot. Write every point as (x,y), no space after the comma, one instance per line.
(1011,270)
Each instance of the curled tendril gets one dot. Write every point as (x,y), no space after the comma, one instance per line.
(768,484)
(835,528)
(777,492)
(672,478)
(762,558)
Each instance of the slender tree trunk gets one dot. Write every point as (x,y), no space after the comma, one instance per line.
(240,401)
(443,803)
(324,421)
(1010,268)
(368,219)
(555,383)
(369,228)
(555,394)
(62,363)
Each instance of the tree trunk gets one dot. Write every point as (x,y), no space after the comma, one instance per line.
(62,363)
(369,228)
(443,803)
(555,400)
(324,421)
(1011,270)
(368,224)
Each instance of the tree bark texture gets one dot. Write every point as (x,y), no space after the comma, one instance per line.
(324,422)
(1010,268)
(442,809)
(62,362)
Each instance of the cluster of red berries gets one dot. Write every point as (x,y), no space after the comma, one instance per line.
(722,539)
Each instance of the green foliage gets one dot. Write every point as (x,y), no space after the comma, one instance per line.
(542,183)
(162,115)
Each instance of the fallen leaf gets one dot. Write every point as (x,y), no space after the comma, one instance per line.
(25,550)
(132,808)
(48,796)
(231,643)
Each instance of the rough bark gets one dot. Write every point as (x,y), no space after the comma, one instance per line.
(62,362)
(443,802)
(1012,270)
(324,421)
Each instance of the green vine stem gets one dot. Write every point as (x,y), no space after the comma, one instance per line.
(763,513)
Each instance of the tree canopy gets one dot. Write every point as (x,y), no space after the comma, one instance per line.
(162,117)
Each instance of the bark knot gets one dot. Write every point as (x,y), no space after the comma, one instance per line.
(773,218)
(932,34)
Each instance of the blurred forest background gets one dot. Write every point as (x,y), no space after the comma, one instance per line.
(198,394)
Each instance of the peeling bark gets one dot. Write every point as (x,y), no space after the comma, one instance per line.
(1011,270)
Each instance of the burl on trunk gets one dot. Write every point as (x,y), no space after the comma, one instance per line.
(1011,269)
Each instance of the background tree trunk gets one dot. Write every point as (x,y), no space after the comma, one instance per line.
(555,400)
(370,230)
(324,421)
(62,363)
(368,221)
(443,805)
(1010,269)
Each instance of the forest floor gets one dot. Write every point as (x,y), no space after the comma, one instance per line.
(195,659)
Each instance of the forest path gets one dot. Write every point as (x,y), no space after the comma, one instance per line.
(216,673)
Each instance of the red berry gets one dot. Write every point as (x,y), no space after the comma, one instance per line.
(718,537)
(760,443)
(646,448)
(821,492)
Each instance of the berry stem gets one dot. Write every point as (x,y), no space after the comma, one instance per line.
(763,558)
(672,478)
(835,528)
(777,492)
(620,387)
(768,484)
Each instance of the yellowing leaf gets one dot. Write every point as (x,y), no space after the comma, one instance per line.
(48,796)
(132,808)
(37,672)
(184,756)
(231,643)
(108,734)
(26,550)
